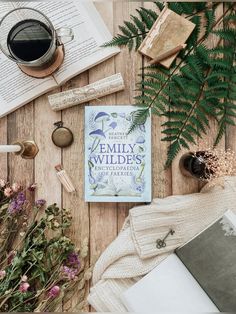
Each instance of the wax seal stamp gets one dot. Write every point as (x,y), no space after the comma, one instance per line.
(62,136)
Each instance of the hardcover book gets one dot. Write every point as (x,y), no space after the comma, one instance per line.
(199,277)
(117,163)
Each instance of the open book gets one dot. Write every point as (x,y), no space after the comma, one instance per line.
(199,277)
(85,51)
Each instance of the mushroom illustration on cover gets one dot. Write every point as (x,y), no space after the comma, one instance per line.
(117,162)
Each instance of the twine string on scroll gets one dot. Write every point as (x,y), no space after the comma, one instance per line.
(106,86)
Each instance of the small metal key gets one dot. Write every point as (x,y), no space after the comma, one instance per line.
(161,243)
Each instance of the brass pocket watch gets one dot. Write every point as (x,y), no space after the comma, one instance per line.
(62,136)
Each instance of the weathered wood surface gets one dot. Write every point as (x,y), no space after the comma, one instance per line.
(100,222)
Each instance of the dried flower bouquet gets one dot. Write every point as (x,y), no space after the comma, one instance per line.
(209,164)
(39,265)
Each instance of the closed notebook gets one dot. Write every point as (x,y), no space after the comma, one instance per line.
(199,277)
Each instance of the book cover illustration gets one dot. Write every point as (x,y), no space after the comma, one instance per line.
(117,163)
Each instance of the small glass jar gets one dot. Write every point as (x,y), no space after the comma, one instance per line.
(194,165)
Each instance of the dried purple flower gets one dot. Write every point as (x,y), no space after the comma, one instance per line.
(73,260)
(24,286)
(17,204)
(40,203)
(69,273)
(54,292)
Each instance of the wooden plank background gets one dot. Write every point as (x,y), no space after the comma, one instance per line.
(100,222)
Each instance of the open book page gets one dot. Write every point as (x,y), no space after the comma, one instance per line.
(90,33)
(5,8)
(16,88)
(168,288)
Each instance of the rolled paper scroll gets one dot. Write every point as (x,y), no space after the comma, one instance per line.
(106,86)
(64,179)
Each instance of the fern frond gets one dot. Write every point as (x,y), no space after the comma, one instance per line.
(210,20)
(152,14)
(141,27)
(145,17)
(176,7)
(228,34)
(226,51)
(172,124)
(118,40)
(200,85)
(221,131)
(173,150)
(230,18)
(131,27)
(159,5)
(193,39)
(187,7)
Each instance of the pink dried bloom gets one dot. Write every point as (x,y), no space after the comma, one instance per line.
(16,187)
(54,292)
(2,274)
(24,286)
(8,192)
(2,183)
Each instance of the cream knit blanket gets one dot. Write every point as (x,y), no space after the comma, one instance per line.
(133,253)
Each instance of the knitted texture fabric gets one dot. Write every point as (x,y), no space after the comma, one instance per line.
(134,253)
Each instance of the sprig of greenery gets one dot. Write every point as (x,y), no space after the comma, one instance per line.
(200,86)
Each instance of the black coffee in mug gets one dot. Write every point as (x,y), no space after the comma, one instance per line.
(29,40)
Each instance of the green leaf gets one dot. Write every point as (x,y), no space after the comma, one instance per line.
(160,5)
(210,20)
(131,27)
(176,7)
(139,24)
(173,150)
(228,34)
(145,18)
(152,14)
(168,131)
(125,31)
(184,143)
